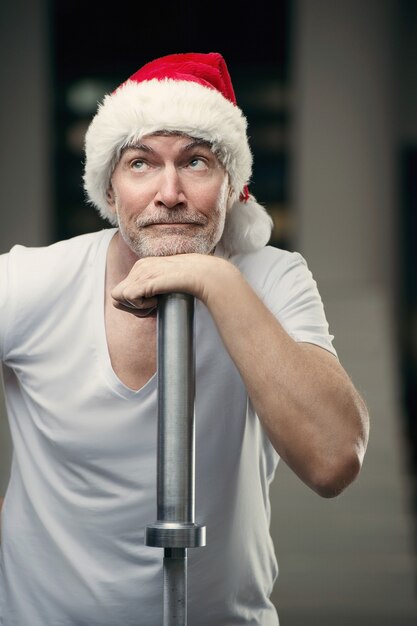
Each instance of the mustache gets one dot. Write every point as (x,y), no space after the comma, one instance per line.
(172,217)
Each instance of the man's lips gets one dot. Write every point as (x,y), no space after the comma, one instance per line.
(170,224)
(180,219)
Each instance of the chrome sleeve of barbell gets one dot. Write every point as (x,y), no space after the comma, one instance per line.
(175,525)
(176,389)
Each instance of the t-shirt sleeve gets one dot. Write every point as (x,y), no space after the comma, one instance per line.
(4,300)
(291,293)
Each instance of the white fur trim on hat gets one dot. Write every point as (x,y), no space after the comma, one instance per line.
(247,228)
(138,109)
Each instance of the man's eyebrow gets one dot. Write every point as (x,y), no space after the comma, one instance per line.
(138,146)
(196,143)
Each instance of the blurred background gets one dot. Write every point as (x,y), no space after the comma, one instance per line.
(330,91)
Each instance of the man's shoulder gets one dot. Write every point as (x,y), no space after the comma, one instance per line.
(39,284)
(260,263)
(33,273)
(60,251)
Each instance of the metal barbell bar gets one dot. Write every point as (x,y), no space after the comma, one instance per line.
(175,529)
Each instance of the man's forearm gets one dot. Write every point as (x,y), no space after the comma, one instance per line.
(313,415)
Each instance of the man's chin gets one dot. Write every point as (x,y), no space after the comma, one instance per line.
(172,245)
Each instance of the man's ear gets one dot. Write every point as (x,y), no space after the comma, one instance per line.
(231,197)
(110,196)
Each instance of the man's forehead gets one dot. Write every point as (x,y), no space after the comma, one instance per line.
(188,139)
(189,142)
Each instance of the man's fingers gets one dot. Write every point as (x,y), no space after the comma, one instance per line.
(152,276)
(134,310)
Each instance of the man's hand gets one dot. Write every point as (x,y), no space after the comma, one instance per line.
(195,274)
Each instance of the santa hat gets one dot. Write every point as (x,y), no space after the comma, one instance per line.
(192,94)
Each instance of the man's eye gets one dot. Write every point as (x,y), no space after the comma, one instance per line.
(197,164)
(138,165)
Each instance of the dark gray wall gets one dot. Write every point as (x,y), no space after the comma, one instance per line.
(25,214)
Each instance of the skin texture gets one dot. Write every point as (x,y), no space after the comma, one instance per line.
(314,417)
(188,178)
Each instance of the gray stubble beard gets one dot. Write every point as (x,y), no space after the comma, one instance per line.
(144,244)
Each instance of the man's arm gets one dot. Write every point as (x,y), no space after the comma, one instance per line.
(313,415)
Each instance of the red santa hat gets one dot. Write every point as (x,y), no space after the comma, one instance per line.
(192,94)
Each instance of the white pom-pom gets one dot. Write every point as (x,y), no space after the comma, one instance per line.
(248,227)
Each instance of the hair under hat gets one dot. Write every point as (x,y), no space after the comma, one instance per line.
(192,94)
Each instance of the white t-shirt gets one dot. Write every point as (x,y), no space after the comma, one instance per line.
(83,479)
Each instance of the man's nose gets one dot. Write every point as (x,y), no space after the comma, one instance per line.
(170,189)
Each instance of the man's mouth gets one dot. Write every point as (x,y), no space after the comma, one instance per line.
(172,224)
(170,220)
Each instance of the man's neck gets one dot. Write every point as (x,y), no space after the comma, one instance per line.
(120,260)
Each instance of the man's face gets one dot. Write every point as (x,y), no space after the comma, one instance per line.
(170,196)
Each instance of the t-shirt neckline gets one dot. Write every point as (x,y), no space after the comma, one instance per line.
(103,354)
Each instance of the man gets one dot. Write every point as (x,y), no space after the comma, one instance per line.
(168,163)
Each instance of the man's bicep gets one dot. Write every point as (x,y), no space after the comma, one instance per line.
(294,299)
(321,355)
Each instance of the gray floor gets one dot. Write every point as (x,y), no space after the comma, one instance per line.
(351,560)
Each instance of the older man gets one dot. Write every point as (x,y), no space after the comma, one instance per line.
(168,163)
